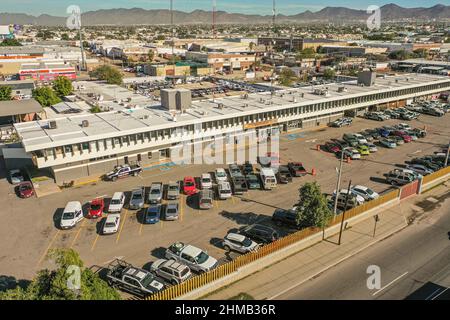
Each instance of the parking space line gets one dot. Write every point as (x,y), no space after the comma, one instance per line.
(121,227)
(95,242)
(140,228)
(78,233)
(182,208)
(162,224)
(232,200)
(48,248)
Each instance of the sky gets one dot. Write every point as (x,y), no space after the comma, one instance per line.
(264,7)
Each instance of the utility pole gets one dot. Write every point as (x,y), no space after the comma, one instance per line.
(338,186)
(173,41)
(343,213)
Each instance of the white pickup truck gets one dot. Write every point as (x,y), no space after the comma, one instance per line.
(195,258)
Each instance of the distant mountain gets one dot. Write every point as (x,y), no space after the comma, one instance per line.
(138,16)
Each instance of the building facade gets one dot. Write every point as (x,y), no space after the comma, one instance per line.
(86,145)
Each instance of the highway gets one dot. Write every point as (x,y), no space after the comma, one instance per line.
(414,264)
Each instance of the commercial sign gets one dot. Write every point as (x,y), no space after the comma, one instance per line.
(260,124)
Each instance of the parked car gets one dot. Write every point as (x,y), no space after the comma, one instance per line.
(373,133)
(16,176)
(343,194)
(366,193)
(195,258)
(383,132)
(173,191)
(399,178)
(111,224)
(155,194)
(260,233)
(189,187)
(388,143)
(221,175)
(374,116)
(398,140)
(361,139)
(96,208)
(426,163)
(331,147)
(238,242)
(372,148)
(224,190)
(152,214)
(284,175)
(117,202)
(72,214)
(253,182)
(137,199)
(406,138)
(171,270)
(297,169)
(205,199)
(286,217)
(423,170)
(363,150)
(234,169)
(206,181)
(247,168)
(123,172)
(172,211)
(137,281)
(392,114)
(351,153)
(25,190)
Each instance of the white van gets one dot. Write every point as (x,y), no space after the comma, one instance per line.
(72,214)
(224,190)
(268,178)
(117,202)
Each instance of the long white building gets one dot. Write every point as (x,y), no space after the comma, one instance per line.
(91,144)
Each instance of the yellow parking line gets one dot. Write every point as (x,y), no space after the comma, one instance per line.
(78,233)
(232,200)
(140,229)
(121,227)
(162,224)
(95,242)
(48,248)
(217,204)
(181,208)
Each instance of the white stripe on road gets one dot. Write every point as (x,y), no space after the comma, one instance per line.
(396,279)
(439,294)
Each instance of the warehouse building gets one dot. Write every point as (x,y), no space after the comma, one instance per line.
(92,144)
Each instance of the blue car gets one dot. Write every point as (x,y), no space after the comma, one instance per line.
(153,214)
(383,132)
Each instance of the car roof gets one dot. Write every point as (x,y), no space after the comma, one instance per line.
(72,206)
(117,195)
(154,208)
(172,204)
(224,184)
(206,175)
(188,178)
(191,250)
(174,265)
(361,187)
(112,217)
(235,237)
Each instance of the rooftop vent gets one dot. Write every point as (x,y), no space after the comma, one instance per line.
(84,124)
(52,125)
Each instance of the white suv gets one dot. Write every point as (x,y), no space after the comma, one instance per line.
(117,202)
(239,243)
(112,223)
(206,181)
(221,175)
(72,214)
(224,190)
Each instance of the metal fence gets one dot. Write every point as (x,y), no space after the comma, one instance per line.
(232,266)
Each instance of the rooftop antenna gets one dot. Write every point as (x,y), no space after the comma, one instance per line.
(173,41)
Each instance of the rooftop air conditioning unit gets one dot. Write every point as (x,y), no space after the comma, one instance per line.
(52,125)
(220,105)
(84,124)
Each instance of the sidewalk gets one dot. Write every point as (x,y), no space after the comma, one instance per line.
(300,267)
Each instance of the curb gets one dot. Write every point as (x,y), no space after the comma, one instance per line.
(339,261)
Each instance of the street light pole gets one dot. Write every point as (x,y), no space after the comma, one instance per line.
(343,213)
(448,154)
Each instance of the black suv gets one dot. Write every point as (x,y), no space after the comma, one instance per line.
(260,233)
(247,168)
(286,217)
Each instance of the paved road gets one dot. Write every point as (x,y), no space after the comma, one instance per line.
(414,264)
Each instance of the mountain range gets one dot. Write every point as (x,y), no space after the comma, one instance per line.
(138,16)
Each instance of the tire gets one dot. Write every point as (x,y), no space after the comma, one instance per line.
(227,248)
(114,179)
(174,282)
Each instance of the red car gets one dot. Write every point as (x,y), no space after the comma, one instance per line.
(96,208)
(189,187)
(25,190)
(332,147)
(297,169)
(407,138)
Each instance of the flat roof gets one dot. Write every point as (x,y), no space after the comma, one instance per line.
(146,117)
(15,107)
(21,50)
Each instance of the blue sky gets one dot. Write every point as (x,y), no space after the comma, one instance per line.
(58,7)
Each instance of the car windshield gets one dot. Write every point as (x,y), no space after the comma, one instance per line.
(189,184)
(247,242)
(155,191)
(16,174)
(171,210)
(206,180)
(369,191)
(115,201)
(201,258)
(152,214)
(173,188)
(147,280)
(137,196)
(110,225)
(95,207)
(220,174)
(68,215)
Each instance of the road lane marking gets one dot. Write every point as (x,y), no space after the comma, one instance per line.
(48,248)
(232,199)
(140,229)
(95,242)
(396,279)
(439,294)
(78,234)
(121,226)
(182,208)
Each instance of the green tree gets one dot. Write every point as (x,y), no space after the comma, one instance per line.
(421,53)
(46,96)
(65,37)
(307,53)
(10,43)
(312,208)
(400,55)
(107,73)
(53,284)
(287,76)
(5,93)
(62,86)
(329,73)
